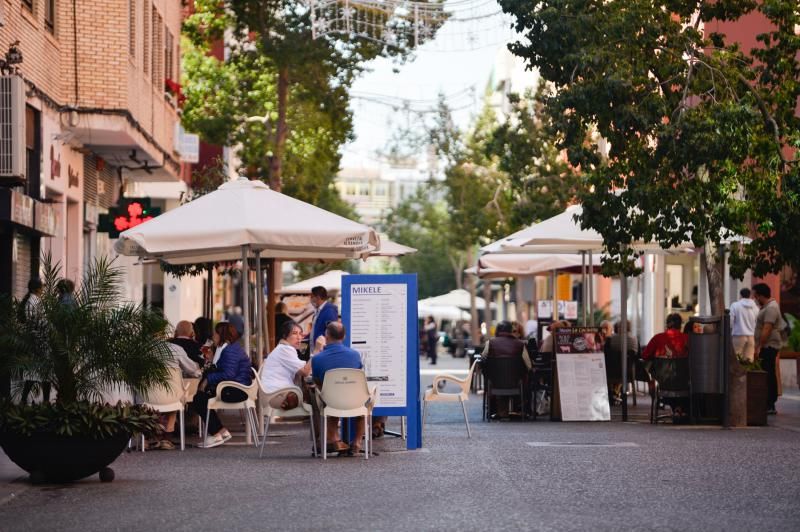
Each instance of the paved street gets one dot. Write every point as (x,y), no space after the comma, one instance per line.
(510,475)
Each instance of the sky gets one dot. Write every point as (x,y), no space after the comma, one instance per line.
(457,63)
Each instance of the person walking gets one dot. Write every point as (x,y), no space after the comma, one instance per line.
(431,338)
(743,325)
(769,324)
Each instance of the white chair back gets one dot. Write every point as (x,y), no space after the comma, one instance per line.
(345,389)
(174,392)
(468,380)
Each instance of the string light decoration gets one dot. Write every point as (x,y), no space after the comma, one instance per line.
(472,23)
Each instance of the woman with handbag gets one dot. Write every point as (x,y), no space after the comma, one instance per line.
(233,365)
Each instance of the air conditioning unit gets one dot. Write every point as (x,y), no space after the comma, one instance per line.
(12,128)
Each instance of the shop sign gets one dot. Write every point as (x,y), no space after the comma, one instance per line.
(45,218)
(73,177)
(55,164)
(129,213)
(16,207)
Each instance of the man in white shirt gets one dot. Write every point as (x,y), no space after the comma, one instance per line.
(743,324)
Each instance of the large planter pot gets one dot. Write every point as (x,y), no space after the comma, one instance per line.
(54,458)
(756,398)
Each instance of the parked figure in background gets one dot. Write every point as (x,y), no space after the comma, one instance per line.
(184,337)
(769,325)
(671,371)
(325,312)
(336,355)
(743,325)
(281,317)
(31,310)
(613,357)
(505,344)
(283,368)
(233,365)
(66,296)
(432,338)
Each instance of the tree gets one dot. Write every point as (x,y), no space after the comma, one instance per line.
(420,221)
(702,134)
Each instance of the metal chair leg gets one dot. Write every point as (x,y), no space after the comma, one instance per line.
(324,437)
(466,419)
(183,430)
(264,439)
(424,414)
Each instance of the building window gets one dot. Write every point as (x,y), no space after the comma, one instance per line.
(380,190)
(363,190)
(28,4)
(132,28)
(50,15)
(157,28)
(145,38)
(169,57)
(351,189)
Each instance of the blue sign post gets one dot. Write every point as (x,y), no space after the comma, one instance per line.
(379,313)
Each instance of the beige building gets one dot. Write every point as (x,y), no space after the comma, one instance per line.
(95,103)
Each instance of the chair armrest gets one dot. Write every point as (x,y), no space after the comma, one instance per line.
(233,384)
(373,392)
(444,377)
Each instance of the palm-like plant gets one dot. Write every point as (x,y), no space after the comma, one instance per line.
(88,347)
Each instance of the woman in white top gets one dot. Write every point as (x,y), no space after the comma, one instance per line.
(283,368)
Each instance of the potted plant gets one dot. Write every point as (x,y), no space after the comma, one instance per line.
(756,391)
(82,346)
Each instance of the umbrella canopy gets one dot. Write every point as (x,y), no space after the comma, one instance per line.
(496,266)
(390,248)
(332,281)
(441,312)
(455,298)
(214,228)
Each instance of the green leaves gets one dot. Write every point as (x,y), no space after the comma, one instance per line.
(78,419)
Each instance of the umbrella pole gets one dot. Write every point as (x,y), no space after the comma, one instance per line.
(591,291)
(555,315)
(246,298)
(584,289)
(623,330)
(258,316)
(272,334)
(209,303)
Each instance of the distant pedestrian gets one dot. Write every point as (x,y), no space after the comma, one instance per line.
(769,325)
(32,312)
(743,325)
(432,338)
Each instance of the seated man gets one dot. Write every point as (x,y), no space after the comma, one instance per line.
(507,345)
(334,356)
(184,337)
(189,369)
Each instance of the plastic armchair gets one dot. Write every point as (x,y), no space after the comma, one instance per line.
(301,410)
(170,399)
(433,395)
(248,405)
(345,393)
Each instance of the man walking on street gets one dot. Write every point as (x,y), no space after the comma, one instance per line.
(743,325)
(769,323)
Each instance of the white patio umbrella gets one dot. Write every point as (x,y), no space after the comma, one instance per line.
(496,265)
(390,248)
(455,298)
(245,218)
(441,312)
(332,281)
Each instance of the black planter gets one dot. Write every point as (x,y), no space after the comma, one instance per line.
(756,398)
(55,458)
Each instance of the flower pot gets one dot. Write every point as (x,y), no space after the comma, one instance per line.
(756,398)
(55,458)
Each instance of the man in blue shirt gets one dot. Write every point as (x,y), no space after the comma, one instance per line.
(336,355)
(325,312)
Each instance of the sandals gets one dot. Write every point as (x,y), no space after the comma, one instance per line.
(338,447)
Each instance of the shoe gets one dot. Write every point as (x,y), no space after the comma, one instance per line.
(212,441)
(772,412)
(166,445)
(226,435)
(338,447)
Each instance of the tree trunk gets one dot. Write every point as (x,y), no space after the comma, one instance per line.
(276,162)
(713,260)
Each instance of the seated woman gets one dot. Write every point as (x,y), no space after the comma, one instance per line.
(233,365)
(283,368)
(666,357)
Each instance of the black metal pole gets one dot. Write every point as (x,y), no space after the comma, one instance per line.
(725,348)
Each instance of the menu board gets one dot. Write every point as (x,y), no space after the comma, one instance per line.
(582,386)
(378,321)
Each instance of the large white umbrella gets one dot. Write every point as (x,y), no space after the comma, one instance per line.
(495,266)
(245,218)
(456,298)
(441,312)
(332,281)
(389,248)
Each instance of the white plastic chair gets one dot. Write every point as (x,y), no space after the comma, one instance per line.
(435,396)
(301,410)
(171,399)
(248,405)
(345,393)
